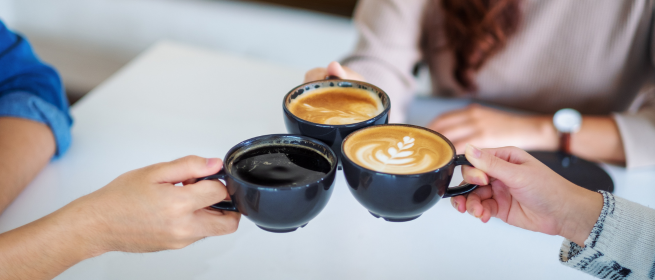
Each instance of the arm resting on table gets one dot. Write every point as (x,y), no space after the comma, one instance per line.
(34,119)
(598,139)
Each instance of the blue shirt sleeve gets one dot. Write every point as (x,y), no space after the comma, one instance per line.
(31,89)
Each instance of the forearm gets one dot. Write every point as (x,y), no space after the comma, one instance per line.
(45,248)
(598,139)
(25,148)
(584,208)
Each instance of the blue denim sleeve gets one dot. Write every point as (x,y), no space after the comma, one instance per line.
(29,106)
(31,89)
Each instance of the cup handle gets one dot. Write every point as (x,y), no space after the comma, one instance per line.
(223,205)
(463,188)
(332,77)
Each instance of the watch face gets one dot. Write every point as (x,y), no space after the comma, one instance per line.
(567,120)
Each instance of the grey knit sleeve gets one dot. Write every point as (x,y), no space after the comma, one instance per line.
(621,244)
(388,48)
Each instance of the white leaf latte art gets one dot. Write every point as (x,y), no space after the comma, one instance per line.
(398,149)
(397,156)
(394,156)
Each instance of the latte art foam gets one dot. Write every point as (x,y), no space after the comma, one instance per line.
(336,106)
(398,149)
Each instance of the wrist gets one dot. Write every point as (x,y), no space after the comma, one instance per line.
(81,225)
(547,137)
(581,213)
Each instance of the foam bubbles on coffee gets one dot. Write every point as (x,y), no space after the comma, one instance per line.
(398,149)
(336,106)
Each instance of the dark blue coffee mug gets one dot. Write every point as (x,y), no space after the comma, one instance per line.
(332,135)
(280,208)
(403,197)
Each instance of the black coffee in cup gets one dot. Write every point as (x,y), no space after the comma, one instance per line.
(281,166)
(280,182)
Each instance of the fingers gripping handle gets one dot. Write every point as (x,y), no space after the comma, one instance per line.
(464,188)
(220,175)
(223,205)
(460,190)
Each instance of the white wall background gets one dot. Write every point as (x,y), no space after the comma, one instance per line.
(89,39)
(7,11)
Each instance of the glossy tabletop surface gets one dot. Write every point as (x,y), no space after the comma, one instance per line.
(176,100)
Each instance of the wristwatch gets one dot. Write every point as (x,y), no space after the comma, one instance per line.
(566,121)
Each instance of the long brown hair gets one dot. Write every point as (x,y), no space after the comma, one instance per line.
(475,30)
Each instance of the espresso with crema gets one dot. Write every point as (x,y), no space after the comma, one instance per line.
(336,106)
(397,149)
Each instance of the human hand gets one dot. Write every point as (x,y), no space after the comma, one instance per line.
(486,127)
(143,211)
(333,69)
(521,191)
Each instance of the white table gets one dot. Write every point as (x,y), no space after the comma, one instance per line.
(176,100)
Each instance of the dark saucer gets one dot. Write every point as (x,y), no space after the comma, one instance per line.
(579,171)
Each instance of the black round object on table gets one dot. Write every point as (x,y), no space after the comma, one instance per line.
(579,171)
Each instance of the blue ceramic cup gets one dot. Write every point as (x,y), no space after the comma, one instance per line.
(276,208)
(402,197)
(332,135)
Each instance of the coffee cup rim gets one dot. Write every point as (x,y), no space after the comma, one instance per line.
(452,148)
(387,106)
(333,165)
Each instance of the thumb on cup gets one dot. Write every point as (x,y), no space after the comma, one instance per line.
(182,169)
(335,69)
(490,164)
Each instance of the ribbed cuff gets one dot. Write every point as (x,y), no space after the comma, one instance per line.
(589,259)
(29,106)
(620,245)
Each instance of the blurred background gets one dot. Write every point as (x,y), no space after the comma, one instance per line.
(89,40)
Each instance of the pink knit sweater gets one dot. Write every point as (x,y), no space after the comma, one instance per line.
(596,56)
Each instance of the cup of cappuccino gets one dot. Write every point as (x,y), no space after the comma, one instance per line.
(399,171)
(280,182)
(329,110)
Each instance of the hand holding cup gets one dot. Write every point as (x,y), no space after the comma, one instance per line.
(143,211)
(521,191)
